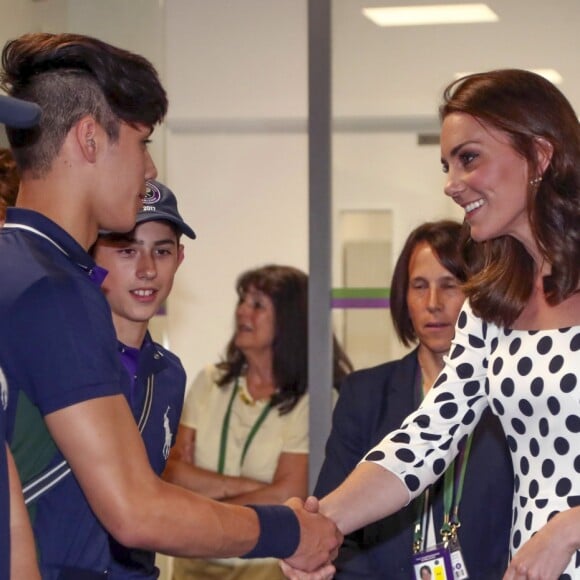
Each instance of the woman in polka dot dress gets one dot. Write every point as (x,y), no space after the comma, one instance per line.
(510,146)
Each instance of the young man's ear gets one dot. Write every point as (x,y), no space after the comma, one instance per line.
(86,132)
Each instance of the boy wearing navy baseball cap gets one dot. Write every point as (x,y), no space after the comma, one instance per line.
(140,267)
(159,203)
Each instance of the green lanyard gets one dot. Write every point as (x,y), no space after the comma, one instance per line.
(452,492)
(226,428)
(453,482)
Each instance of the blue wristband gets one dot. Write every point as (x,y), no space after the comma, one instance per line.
(279,532)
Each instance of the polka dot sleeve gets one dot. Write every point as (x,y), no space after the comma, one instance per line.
(429,439)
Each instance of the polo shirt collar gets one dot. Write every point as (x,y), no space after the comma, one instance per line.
(152,359)
(39,224)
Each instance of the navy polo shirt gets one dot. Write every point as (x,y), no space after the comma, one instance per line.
(57,348)
(157,389)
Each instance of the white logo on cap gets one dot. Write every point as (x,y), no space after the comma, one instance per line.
(152,194)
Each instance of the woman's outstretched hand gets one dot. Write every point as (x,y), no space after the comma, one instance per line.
(326,570)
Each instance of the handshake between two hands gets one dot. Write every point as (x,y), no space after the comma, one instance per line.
(320,540)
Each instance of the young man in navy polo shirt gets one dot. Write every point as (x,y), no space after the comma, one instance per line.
(141,266)
(16,542)
(83,170)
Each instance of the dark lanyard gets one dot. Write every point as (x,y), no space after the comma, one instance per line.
(453,482)
(226,428)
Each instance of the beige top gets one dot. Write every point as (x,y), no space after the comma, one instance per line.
(204,410)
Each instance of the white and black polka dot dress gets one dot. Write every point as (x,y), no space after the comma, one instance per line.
(531,380)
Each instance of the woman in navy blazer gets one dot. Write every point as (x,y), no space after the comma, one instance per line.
(426,298)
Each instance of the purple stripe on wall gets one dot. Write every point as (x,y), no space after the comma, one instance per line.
(360,303)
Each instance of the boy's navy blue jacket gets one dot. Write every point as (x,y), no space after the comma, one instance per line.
(373,402)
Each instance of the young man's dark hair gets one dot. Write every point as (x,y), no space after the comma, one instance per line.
(69,76)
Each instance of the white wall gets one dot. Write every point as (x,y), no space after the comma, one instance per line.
(388,171)
(237,86)
(19,17)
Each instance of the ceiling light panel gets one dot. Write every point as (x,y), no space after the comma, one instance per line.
(429,15)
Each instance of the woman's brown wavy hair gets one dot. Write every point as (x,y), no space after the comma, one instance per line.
(287,287)
(530,111)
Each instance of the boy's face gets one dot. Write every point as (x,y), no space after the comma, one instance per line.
(141,269)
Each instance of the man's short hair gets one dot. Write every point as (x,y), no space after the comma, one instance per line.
(70,76)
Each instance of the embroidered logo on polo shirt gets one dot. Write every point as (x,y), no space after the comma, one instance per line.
(3,390)
(168,434)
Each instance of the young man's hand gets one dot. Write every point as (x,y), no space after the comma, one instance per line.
(320,539)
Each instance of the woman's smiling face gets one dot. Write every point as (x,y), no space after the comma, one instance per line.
(487,177)
(255,321)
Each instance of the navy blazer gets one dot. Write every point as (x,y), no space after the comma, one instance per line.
(372,403)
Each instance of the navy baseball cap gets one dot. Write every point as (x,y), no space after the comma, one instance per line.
(160,203)
(18,113)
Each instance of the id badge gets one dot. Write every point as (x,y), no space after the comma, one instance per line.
(457,561)
(433,564)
